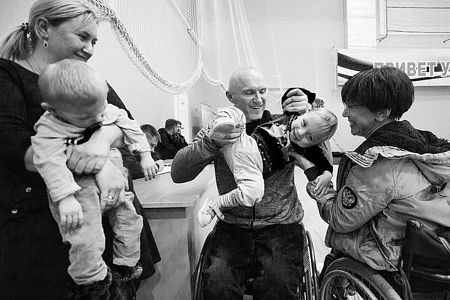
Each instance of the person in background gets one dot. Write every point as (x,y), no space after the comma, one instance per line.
(132,161)
(265,240)
(397,173)
(33,258)
(171,139)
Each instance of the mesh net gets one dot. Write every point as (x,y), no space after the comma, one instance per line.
(173,42)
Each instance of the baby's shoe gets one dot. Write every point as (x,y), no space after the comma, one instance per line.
(126,273)
(98,290)
(226,120)
(122,287)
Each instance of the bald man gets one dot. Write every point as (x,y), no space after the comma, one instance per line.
(264,240)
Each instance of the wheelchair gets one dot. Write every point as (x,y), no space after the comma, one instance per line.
(425,272)
(310,287)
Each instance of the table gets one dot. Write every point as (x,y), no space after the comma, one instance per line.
(171,210)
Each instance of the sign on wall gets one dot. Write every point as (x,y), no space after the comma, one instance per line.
(425,67)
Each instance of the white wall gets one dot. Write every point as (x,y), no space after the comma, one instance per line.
(304,34)
(147,103)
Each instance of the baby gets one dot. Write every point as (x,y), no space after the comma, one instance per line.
(251,158)
(74,97)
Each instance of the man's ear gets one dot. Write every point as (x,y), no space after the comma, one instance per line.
(229,96)
(48,107)
(42,28)
(383,114)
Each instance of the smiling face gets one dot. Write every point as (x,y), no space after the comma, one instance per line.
(247,91)
(74,39)
(362,121)
(309,129)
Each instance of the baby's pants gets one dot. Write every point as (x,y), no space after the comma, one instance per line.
(88,242)
(243,159)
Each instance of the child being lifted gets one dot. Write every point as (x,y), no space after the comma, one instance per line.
(253,157)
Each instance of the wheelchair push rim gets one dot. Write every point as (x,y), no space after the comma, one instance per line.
(374,285)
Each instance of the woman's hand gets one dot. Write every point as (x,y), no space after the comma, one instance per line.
(326,196)
(322,183)
(112,184)
(87,158)
(297,102)
(90,157)
(28,159)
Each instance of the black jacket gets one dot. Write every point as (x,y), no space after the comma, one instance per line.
(170,144)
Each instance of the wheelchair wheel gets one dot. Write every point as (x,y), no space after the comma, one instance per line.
(197,276)
(310,279)
(341,285)
(373,282)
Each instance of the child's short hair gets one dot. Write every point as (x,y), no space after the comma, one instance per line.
(329,126)
(150,130)
(71,82)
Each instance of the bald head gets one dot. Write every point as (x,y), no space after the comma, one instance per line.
(247,91)
(239,76)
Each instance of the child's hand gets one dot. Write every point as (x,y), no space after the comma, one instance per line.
(70,213)
(322,183)
(148,165)
(208,211)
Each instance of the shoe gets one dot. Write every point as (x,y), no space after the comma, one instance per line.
(126,273)
(225,121)
(122,287)
(98,290)
(206,214)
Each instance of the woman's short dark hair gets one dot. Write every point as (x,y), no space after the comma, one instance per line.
(380,88)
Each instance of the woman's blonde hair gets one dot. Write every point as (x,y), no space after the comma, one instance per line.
(19,44)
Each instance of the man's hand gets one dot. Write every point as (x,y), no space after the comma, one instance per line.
(148,165)
(70,213)
(297,102)
(112,185)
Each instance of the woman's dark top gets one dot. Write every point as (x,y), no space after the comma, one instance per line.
(33,259)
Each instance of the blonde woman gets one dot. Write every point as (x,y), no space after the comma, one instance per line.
(33,258)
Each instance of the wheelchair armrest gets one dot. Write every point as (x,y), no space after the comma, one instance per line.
(424,255)
(429,273)
(422,242)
